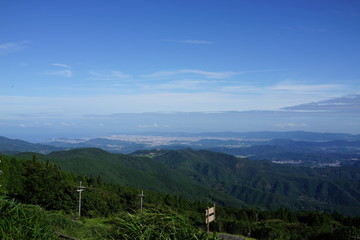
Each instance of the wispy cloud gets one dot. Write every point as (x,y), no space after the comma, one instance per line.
(67,124)
(186,84)
(213,75)
(243,89)
(108,76)
(190,41)
(61,73)
(286,125)
(158,101)
(13,46)
(154,125)
(207,74)
(60,65)
(288,86)
(37,124)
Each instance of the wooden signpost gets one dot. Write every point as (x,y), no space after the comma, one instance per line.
(209,217)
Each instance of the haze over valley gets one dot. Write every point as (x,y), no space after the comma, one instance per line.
(338,115)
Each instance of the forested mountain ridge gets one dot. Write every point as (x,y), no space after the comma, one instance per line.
(43,184)
(220,178)
(137,171)
(292,148)
(12,146)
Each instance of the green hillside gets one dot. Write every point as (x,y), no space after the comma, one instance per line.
(136,171)
(12,146)
(48,209)
(267,184)
(106,208)
(224,179)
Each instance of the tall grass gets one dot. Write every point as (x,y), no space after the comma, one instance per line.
(29,222)
(19,221)
(156,226)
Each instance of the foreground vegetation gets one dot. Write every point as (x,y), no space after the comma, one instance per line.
(19,221)
(49,206)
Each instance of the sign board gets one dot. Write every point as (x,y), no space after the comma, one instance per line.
(210,211)
(209,216)
(210,219)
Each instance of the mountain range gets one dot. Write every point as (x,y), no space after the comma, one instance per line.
(13,146)
(292,148)
(217,177)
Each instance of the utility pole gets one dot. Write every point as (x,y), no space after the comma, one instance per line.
(141,200)
(79,190)
(1,172)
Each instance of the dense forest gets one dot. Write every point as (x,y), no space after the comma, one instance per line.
(42,183)
(206,176)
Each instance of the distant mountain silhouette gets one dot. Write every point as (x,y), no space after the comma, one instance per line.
(13,146)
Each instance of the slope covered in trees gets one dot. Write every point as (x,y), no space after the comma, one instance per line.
(42,183)
(220,178)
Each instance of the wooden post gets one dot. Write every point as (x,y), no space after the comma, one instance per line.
(207,221)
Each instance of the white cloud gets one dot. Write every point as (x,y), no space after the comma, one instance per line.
(67,124)
(285,88)
(209,96)
(111,75)
(286,125)
(212,75)
(132,103)
(207,74)
(159,74)
(13,46)
(61,65)
(154,125)
(186,84)
(288,86)
(61,73)
(35,124)
(243,89)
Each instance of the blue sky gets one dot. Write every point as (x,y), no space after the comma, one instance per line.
(70,58)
